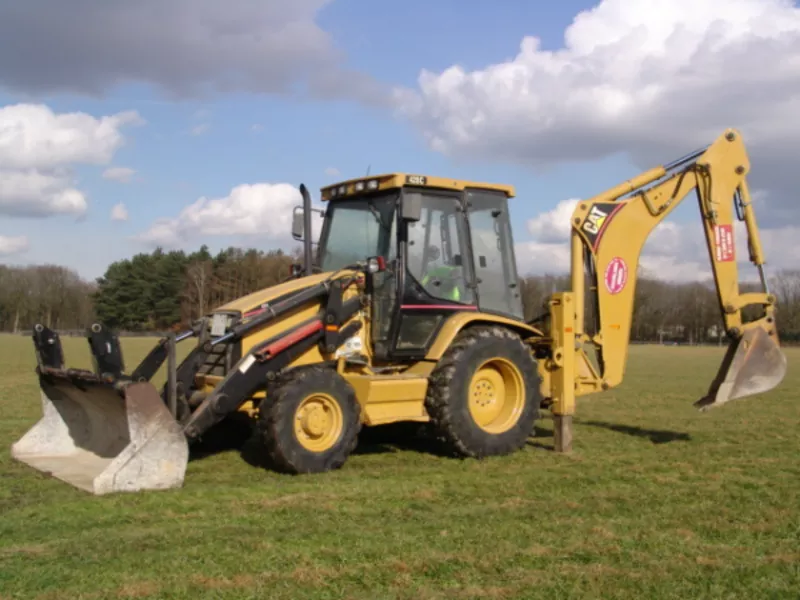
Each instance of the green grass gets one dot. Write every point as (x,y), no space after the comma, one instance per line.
(657,501)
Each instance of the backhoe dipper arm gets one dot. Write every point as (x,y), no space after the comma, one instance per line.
(608,233)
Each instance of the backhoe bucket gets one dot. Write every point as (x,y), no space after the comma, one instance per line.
(104,438)
(753,364)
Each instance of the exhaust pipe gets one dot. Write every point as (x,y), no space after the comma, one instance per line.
(307,240)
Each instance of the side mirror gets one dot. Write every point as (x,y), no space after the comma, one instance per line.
(411,207)
(298,229)
(297,223)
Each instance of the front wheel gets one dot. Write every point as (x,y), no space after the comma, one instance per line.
(311,423)
(484,396)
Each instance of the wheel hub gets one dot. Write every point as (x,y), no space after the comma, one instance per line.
(496,396)
(314,421)
(318,422)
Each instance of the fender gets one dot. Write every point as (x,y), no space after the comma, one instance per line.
(459,321)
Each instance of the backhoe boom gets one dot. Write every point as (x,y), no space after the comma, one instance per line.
(608,234)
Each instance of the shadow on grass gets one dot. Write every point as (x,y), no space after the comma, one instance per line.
(656,436)
(413,437)
(400,437)
(231,435)
(237,434)
(535,441)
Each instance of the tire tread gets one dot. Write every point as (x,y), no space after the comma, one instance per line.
(442,400)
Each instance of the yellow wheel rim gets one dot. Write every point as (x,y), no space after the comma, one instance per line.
(496,395)
(318,422)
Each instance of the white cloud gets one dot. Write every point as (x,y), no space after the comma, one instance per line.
(548,252)
(332,172)
(33,136)
(119,212)
(539,258)
(119,174)
(553,225)
(31,193)
(13,245)
(38,148)
(649,79)
(262,210)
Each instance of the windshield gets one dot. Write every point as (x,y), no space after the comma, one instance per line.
(358,229)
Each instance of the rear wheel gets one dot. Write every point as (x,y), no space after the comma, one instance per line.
(483,396)
(311,422)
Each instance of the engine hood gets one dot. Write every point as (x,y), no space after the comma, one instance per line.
(255,299)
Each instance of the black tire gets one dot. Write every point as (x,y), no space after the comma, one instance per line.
(448,398)
(277,417)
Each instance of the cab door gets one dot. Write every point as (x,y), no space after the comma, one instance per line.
(493,256)
(437,279)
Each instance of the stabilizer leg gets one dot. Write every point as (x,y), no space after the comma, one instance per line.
(562,428)
(563,377)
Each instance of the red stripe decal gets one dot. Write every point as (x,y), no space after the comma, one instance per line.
(437,307)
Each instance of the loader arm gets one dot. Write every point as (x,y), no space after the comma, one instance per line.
(608,234)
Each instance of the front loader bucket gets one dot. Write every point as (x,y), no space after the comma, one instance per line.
(104,438)
(753,364)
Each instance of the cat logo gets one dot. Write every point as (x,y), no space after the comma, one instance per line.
(597,221)
(594,222)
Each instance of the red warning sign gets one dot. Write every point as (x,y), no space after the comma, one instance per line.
(723,243)
(616,275)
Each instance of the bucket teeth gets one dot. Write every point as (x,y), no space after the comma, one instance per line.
(753,364)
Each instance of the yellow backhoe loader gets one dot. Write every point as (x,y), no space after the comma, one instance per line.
(408,309)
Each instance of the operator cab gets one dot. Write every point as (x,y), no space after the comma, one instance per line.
(447,246)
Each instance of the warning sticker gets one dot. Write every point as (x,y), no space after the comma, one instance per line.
(616,275)
(723,243)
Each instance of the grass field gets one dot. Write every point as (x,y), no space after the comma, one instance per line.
(657,501)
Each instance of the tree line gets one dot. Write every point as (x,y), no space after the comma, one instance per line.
(148,292)
(163,290)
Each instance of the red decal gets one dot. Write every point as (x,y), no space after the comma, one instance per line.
(723,243)
(616,275)
(282,344)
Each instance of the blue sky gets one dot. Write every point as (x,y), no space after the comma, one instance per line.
(193,147)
